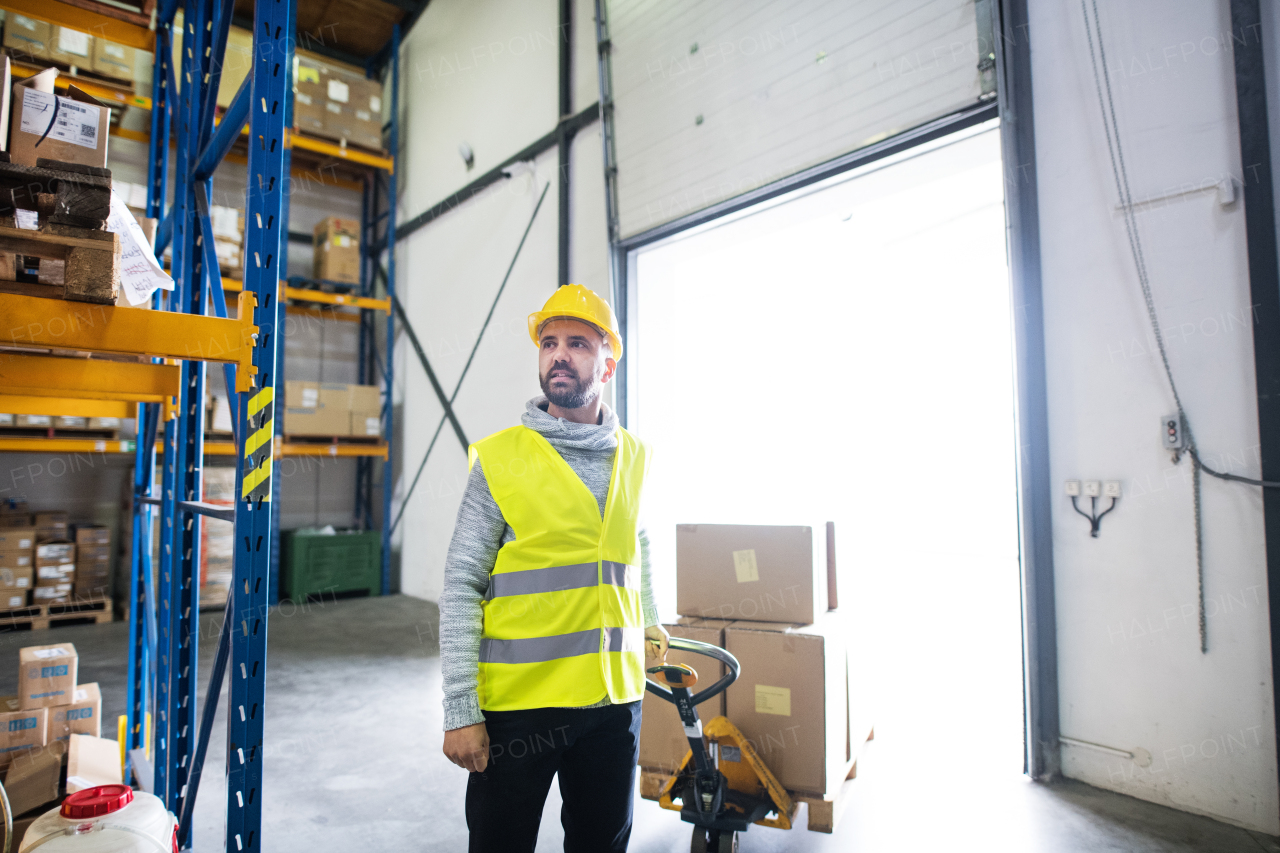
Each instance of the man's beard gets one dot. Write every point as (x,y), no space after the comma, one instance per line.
(580,394)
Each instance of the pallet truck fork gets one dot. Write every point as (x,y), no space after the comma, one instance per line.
(722,785)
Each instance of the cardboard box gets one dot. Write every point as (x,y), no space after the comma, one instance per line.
(17,560)
(35,421)
(746,571)
(27,37)
(92,534)
(368,424)
(50,519)
(15,579)
(55,553)
(22,730)
(33,777)
(17,538)
(83,716)
(46,675)
(336,244)
(301,394)
(78,136)
(316,422)
(11,520)
(353,107)
(108,423)
(365,398)
(86,554)
(93,761)
(662,740)
(72,47)
(793,700)
(70,422)
(12,600)
(112,60)
(58,533)
(308,95)
(55,574)
(56,594)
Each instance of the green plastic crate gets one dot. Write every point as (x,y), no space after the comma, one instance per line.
(323,566)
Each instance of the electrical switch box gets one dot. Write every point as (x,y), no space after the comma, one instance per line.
(1111,488)
(1172,433)
(1073,488)
(1092,488)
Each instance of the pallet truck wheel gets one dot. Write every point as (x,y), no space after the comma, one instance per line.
(728,843)
(699,842)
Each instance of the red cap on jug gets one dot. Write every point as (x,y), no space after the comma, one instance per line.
(95,802)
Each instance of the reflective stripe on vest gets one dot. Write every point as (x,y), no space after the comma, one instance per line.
(562,623)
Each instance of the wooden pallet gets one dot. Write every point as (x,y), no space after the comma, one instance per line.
(825,811)
(83,264)
(39,617)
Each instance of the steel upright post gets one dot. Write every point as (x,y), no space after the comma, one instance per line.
(273,47)
(388,427)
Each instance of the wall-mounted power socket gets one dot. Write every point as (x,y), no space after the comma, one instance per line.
(1092,488)
(1111,488)
(1073,488)
(1171,432)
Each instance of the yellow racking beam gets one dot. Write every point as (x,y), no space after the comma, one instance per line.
(65,445)
(66,407)
(332,149)
(105,93)
(94,379)
(34,321)
(100,26)
(302,294)
(291,448)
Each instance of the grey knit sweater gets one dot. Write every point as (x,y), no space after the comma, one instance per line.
(481,530)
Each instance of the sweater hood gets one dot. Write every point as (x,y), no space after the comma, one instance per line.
(563,434)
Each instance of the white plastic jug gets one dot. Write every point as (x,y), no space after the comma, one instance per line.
(105,819)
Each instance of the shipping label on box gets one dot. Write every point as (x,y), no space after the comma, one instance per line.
(22,729)
(72,47)
(368,424)
(55,552)
(49,575)
(767,573)
(47,675)
(10,600)
(17,538)
(83,716)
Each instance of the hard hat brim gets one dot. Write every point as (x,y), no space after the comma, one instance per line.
(539,318)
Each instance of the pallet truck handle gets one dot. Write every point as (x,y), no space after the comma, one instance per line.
(700,648)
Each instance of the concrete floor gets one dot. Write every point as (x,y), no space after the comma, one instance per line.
(353,761)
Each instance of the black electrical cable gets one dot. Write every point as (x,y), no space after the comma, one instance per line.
(1121,176)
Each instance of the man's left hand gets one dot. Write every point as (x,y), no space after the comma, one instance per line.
(656,642)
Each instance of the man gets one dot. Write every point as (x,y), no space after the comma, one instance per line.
(547,611)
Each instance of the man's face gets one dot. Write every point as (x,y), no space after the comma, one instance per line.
(573,363)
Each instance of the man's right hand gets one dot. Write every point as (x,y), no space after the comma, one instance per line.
(468,747)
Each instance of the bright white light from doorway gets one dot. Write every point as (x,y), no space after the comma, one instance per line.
(846,355)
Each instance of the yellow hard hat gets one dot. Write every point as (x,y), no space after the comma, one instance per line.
(577,302)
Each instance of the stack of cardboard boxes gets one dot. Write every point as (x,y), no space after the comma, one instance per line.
(762,592)
(42,555)
(337,103)
(336,250)
(33,40)
(53,722)
(332,409)
(17,556)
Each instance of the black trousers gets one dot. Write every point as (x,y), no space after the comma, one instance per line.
(594,751)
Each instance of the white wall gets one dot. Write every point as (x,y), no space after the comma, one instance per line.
(487,74)
(1131,672)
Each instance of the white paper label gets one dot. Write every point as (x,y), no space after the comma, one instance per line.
(11,704)
(375,104)
(140,272)
(81,695)
(303,98)
(364,115)
(342,241)
(44,654)
(73,41)
(310,398)
(744,566)
(75,123)
(114,50)
(80,782)
(339,91)
(334,108)
(28,220)
(773,700)
(25,23)
(372,426)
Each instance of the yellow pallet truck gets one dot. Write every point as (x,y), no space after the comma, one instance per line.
(721,786)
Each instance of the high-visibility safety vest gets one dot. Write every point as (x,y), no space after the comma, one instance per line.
(563,624)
